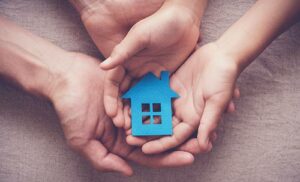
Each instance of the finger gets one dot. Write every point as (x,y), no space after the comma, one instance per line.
(127,125)
(230,107)
(136,141)
(119,119)
(191,146)
(172,159)
(103,160)
(112,82)
(236,93)
(213,136)
(128,132)
(181,132)
(175,121)
(135,41)
(125,83)
(208,123)
(139,141)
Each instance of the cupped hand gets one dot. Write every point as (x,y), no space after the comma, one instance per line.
(206,85)
(108,22)
(157,36)
(77,95)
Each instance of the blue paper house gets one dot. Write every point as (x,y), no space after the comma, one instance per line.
(151,100)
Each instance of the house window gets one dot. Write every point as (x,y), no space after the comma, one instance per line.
(146,119)
(157,119)
(156,107)
(151,113)
(146,107)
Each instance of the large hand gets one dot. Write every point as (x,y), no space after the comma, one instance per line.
(159,42)
(206,84)
(108,22)
(77,94)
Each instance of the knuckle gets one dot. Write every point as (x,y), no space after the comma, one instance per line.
(203,148)
(76,143)
(120,51)
(98,167)
(196,150)
(176,140)
(142,39)
(141,34)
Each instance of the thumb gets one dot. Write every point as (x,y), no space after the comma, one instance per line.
(105,161)
(212,113)
(135,41)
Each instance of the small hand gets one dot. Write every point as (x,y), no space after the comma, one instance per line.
(206,85)
(77,95)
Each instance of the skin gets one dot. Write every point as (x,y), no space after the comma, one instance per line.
(204,68)
(153,38)
(90,131)
(206,80)
(73,83)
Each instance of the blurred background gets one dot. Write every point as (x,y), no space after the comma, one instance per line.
(260,142)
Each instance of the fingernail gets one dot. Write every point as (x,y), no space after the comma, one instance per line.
(105,62)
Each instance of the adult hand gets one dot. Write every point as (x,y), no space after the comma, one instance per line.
(74,84)
(155,37)
(77,95)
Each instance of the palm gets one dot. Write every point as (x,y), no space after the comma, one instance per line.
(108,22)
(205,84)
(210,78)
(78,100)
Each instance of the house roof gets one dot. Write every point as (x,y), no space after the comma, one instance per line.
(150,86)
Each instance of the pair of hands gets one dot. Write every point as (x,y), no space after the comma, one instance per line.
(153,38)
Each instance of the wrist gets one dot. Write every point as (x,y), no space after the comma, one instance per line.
(82,5)
(22,68)
(86,8)
(238,58)
(33,74)
(215,51)
(195,7)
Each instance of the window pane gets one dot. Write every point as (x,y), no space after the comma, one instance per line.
(146,107)
(157,119)
(146,119)
(156,107)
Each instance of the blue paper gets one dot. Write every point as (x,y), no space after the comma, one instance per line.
(151,98)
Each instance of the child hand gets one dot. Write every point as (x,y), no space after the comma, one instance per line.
(206,85)
(159,42)
(206,81)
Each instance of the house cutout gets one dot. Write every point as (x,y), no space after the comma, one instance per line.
(151,105)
